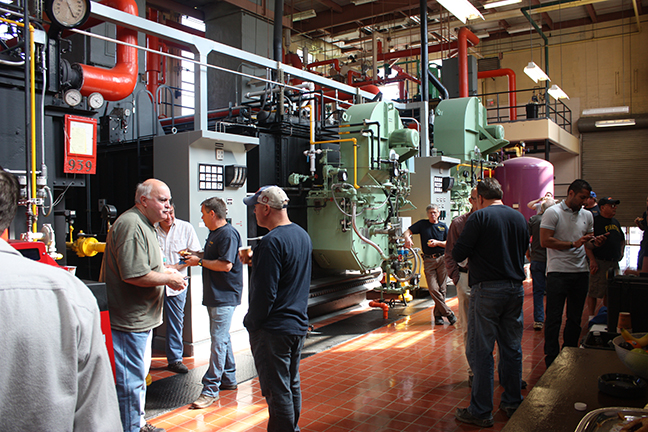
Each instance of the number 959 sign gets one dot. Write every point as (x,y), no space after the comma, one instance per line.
(80,145)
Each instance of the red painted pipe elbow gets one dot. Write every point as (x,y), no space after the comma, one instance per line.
(465,35)
(119,82)
(384,306)
(512,86)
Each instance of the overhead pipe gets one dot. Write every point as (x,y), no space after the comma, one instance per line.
(413,52)
(119,82)
(465,35)
(277,37)
(335,62)
(425,93)
(152,59)
(512,87)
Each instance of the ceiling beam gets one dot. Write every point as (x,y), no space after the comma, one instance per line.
(545,16)
(592,13)
(351,13)
(330,3)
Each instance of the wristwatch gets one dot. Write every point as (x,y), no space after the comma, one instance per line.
(200,262)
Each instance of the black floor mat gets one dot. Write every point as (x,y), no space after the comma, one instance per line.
(167,394)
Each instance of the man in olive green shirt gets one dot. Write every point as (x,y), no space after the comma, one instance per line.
(135,278)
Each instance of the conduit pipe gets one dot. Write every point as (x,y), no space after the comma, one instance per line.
(363,238)
(119,82)
(334,62)
(383,306)
(465,35)
(152,59)
(512,87)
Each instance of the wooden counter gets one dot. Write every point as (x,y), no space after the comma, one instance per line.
(573,377)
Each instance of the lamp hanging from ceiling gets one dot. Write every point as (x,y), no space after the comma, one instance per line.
(535,72)
(614,123)
(557,93)
(499,3)
(307,14)
(462,9)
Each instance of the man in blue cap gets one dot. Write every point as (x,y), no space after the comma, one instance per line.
(277,319)
(591,204)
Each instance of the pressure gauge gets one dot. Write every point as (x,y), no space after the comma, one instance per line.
(68,13)
(95,100)
(72,97)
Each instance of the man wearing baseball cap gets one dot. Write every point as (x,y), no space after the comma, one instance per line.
(607,255)
(278,301)
(591,205)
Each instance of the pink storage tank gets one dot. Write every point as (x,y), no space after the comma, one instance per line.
(525,179)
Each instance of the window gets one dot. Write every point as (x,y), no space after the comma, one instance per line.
(187,75)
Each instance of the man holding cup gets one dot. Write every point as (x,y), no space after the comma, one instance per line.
(222,290)
(433,242)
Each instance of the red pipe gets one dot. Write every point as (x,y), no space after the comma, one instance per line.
(119,82)
(335,62)
(464,36)
(416,51)
(384,306)
(152,59)
(512,86)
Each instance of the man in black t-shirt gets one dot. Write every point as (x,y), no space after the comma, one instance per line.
(277,319)
(642,223)
(222,289)
(433,241)
(606,256)
(495,240)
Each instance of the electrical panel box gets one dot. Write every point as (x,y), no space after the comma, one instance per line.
(450,76)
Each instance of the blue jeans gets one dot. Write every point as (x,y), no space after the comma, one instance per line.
(174,310)
(222,368)
(538,270)
(276,358)
(561,287)
(495,315)
(132,363)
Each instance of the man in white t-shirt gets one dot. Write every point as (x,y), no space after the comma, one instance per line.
(566,229)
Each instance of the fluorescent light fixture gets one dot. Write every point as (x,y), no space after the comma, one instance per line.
(535,72)
(617,122)
(482,34)
(307,14)
(498,3)
(361,2)
(462,9)
(557,93)
(519,28)
(608,110)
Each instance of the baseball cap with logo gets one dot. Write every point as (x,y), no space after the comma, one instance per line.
(273,196)
(608,200)
(593,194)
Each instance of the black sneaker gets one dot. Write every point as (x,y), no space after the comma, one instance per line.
(463,415)
(523,384)
(438,321)
(177,367)
(227,387)
(452,319)
(509,411)
(148,427)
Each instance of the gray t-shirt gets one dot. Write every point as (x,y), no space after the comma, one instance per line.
(567,225)
(132,250)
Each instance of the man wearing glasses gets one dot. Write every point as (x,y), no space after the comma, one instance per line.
(606,256)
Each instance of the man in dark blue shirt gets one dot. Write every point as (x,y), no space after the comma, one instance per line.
(277,319)
(495,239)
(222,289)
(433,241)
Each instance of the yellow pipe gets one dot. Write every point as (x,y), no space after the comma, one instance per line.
(355,156)
(32,94)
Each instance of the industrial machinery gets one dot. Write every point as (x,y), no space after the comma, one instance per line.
(354,218)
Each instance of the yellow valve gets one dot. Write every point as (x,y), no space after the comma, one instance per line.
(87,246)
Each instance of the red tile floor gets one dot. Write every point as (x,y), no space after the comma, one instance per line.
(406,376)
